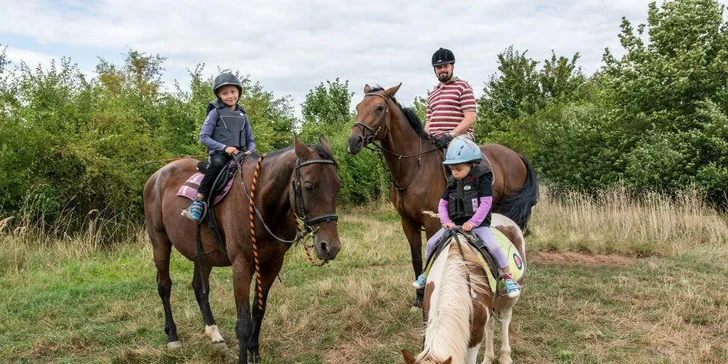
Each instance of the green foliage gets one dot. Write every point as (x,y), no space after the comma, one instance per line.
(81,145)
(326,111)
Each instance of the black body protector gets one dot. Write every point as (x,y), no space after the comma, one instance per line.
(463,196)
(230,127)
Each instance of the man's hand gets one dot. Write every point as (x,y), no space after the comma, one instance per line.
(443,141)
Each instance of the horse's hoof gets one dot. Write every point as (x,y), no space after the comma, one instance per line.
(214,334)
(174,344)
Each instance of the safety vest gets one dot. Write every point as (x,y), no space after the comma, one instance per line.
(230,127)
(463,199)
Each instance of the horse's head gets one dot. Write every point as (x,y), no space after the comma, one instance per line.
(410,359)
(313,195)
(372,117)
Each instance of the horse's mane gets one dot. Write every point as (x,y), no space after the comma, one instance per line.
(448,328)
(409,114)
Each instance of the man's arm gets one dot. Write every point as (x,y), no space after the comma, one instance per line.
(465,124)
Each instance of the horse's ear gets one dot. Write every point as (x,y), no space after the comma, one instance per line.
(367,88)
(325,144)
(448,361)
(392,90)
(301,150)
(408,357)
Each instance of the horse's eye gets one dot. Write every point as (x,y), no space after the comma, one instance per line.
(308,186)
(380,108)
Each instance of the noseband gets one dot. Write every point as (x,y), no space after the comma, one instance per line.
(381,121)
(299,207)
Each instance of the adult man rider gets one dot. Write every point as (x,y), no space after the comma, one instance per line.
(451,104)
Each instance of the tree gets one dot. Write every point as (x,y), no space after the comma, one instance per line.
(669,95)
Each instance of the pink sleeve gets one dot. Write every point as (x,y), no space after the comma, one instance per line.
(442,211)
(482,211)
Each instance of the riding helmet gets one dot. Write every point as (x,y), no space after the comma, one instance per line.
(226,78)
(442,56)
(462,150)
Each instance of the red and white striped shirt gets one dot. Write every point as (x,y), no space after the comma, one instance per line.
(447,104)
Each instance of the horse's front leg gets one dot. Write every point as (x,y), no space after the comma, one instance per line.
(414,238)
(242,275)
(506,313)
(268,275)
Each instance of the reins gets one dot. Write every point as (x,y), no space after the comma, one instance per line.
(300,235)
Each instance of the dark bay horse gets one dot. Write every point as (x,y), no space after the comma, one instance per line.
(415,165)
(296,182)
(459,304)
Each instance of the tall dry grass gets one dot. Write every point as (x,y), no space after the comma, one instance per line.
(618,220)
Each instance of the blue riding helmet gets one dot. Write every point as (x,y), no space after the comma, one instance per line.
(462,150)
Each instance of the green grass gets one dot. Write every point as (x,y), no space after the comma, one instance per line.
(66,304)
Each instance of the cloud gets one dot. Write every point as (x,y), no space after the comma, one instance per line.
(291,46)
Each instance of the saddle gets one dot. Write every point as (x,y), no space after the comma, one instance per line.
(515,261)
(220,188)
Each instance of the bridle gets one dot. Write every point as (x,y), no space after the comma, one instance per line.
(299,206)
(369,139)
(380,122)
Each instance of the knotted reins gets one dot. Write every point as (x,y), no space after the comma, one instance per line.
(300,235)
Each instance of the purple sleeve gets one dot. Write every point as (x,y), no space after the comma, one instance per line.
(442,211)
(249,141)
(206,133)
(482,211)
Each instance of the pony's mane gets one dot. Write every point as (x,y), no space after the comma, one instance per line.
(448,329)
(409,114)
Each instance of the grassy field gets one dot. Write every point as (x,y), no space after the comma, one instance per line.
(611,281)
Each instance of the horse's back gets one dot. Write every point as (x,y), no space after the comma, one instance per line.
(161,187)
(511,230)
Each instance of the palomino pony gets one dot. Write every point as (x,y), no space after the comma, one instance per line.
(292,183)
(459,305)
(417,173)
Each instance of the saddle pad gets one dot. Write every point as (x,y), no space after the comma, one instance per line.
(515,261)
(189,188)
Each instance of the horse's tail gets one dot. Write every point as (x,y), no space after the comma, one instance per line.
(518,207)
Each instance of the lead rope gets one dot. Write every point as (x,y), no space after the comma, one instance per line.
(256,259)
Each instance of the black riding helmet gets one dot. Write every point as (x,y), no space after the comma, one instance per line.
(442,56)
(226,78)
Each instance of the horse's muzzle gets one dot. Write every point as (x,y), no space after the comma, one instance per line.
(327,247)
(356,142)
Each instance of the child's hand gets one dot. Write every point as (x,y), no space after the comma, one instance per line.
(468,226)
(448,225)
(232,150)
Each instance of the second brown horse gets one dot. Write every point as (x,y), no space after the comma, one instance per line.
(418,179)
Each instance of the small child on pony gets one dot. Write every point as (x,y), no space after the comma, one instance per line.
(226,132)
(466,202)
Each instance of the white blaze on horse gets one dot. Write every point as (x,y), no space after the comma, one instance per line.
(461,299)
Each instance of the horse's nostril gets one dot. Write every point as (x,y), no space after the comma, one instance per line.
(324,246)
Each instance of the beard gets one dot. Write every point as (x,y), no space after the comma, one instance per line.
(445,76)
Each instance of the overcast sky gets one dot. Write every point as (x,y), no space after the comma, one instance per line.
(291,46)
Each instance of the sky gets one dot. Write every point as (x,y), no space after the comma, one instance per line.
(292,46)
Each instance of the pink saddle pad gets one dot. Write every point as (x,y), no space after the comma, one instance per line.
(189,188)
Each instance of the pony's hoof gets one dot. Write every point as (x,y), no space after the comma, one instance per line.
(415,308)
(174,344)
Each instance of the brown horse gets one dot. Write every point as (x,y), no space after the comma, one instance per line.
(459,304)
(296,182)
(415,165)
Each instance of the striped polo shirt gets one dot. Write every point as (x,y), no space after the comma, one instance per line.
(446,105)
